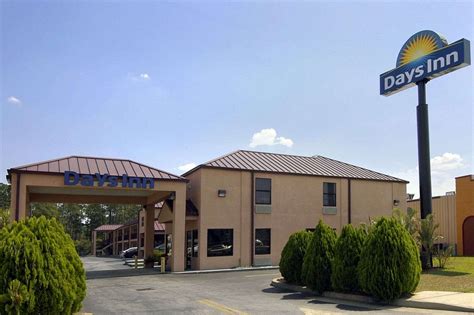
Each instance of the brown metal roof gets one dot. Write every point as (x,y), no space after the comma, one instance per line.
(107,227)
(293,164)
(91,165)
(159,226)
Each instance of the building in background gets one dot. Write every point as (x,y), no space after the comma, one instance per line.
(454,213)
(444,214)
(465,214)
(119,237)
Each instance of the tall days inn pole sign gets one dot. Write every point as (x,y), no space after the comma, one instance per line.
(424,56)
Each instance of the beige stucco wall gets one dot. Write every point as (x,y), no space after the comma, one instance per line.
(372,199)
(297,203)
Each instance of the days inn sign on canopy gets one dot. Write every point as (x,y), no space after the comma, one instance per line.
(424,56)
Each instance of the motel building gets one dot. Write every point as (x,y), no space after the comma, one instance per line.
(237,210)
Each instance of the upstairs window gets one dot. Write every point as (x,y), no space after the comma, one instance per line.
(329,194)
(263,191)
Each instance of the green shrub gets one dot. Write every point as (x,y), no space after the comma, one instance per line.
(443,255)
(390,265)
(292,256)
(316,272)
(346,258)
(40,270)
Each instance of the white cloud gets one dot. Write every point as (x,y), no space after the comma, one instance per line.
(140,77)
(269,137)
(187,167)
(13,100)
(444,169)
(447,161)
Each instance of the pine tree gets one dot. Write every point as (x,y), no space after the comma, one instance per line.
(38,254)
(346,258)
(292,256)
(390,265)
(316,272)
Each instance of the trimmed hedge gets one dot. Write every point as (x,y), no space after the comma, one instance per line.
(316,272)
(346,258)
(292,256)
(390,263)
(40,270)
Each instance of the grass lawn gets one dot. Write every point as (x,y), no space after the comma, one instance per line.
(458,276)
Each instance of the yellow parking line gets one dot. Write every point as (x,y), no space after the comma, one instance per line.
(221,307)
(310,311)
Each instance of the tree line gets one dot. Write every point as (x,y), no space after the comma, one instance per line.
(79,220)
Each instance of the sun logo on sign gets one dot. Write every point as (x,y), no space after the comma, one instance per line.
(419,45)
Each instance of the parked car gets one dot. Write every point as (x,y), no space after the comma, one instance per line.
(219,250)
(129,253)
(161,248)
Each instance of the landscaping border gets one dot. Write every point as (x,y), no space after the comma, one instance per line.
(425,304)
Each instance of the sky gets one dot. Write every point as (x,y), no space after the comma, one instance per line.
(175,84)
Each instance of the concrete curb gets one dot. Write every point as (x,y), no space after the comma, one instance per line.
(282,284)
(225,270)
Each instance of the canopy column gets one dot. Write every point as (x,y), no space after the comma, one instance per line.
(149,230)
(179,218)
(94,243)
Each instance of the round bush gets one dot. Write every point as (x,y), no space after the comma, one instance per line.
(316,272)
(346,258)
(292,256)
(390,265)
(40,270)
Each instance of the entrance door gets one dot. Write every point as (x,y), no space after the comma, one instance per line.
(468,236)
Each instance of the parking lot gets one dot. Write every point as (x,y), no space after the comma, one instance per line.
(92,263)
(245,292)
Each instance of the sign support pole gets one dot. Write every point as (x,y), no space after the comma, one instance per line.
(423,150)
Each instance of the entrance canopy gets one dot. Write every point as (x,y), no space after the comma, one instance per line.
(81,179)
(78,179)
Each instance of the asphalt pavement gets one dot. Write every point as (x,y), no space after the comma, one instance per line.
(244,292)
(92,263)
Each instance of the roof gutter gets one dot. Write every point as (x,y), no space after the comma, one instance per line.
(349,204)
(17,204)
(252,218)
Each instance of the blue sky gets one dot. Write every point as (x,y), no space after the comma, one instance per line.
(179,83)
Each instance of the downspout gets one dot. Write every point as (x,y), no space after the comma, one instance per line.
(252,217)
(17,205)
(349,208)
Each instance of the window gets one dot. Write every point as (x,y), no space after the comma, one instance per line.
(329,194)
(263,241)
(220,242)
(263,191)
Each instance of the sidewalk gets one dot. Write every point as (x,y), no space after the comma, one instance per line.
(436,300)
